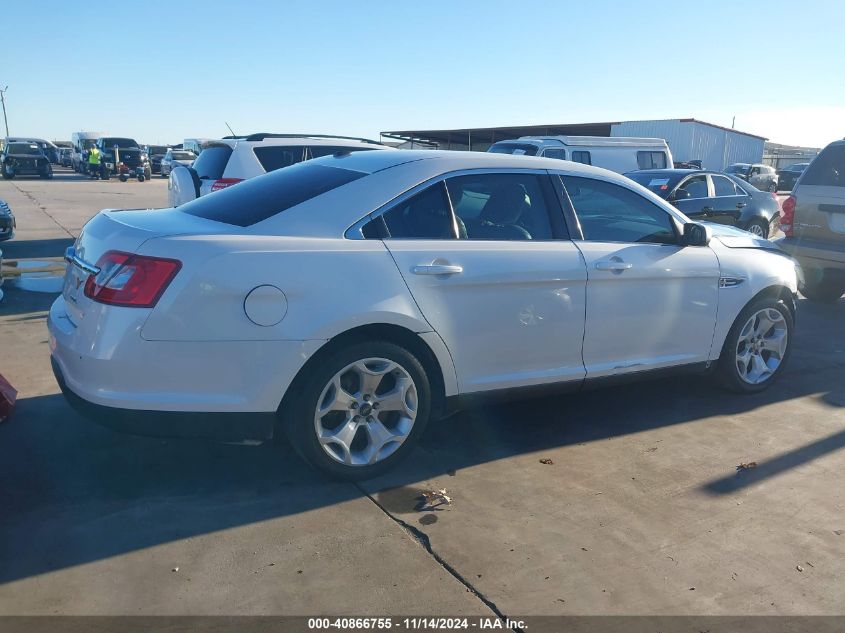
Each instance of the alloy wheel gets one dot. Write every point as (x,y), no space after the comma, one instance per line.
(756,229)
(366,411)
(761,346)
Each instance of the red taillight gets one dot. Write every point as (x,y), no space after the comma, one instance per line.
(787,215)
(222,183)
(130,280)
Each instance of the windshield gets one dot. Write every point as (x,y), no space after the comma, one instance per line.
(182,156)
(156,149)
(88,143)
(24,148)
(514,148)
(739,168)
(122,143)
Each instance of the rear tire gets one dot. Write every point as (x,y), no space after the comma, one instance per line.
(757,347)
(758,227)
(352,429)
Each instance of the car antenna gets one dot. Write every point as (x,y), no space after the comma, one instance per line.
(230,129)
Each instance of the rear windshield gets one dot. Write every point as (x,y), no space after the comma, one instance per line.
(514,148)
(737,169)
(259,198)
(23,148)
(828,169)
(212,161)
(661,184)
(156,149)
(182,155)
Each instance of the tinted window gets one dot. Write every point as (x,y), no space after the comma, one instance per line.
(259,198)
(651,160)
(828,169)
(514,148)
(657,182)
(273,158)
(695,186)
(212,162)
(500,207)
(582,157)
(182,156)
(123,143)
(738,168)
(23,148)
(425,215)
(724,186)
(552,152)
(610,213)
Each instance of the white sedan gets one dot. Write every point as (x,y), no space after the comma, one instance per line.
(346,301)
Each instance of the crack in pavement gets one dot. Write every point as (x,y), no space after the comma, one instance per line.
(43,209)
(422,539)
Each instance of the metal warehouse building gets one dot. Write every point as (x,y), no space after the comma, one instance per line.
(689,139)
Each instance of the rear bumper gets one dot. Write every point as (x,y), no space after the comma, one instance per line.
(814,254)
(230,427)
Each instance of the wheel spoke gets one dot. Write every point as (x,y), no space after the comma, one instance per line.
(379,436)
(758,368)
(335,398)
(342,437)
(776,343)
(371,373)
(397,399)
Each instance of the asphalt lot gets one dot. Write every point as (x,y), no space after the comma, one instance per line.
(642,511)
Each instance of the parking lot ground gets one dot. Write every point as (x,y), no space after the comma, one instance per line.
(641,511)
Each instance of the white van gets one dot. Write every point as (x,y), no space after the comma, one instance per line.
(620,154)
(82,142)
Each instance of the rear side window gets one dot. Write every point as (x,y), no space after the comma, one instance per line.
(724,186)
(424,216)
(514,148)
(273,158)
(260,198)
(212,161)
(828,169)
(553,152)
(582,157)
(316,151)
(651,160)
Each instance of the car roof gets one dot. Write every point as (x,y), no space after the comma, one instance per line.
(671,172)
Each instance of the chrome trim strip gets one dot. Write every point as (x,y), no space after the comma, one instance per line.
(71,258)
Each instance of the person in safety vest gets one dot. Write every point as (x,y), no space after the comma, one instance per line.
(94,162)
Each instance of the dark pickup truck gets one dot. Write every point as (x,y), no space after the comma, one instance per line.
(117,155)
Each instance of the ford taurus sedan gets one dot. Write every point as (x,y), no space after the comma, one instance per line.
(348,300)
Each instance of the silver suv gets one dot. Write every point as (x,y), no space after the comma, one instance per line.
(764,177)
(813,221)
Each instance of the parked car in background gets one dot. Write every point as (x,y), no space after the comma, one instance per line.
(47,147)
(195,145)
(713,197)
(82,142)
(175,158)
(7,222)
(24,159)
(788,176)
(619,154)
(485,274)
(116,151)
(813,223)
(66,156)
(156,153)
(761,176)
(226,162)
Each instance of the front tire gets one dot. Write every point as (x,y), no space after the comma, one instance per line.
(359,411)
(758,227)
(757,347)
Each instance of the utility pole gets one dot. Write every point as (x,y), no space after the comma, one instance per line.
(3,101)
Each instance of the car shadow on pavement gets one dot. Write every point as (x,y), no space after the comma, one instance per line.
(35,249)
(73,492)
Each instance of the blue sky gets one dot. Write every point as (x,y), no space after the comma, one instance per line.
(174,69)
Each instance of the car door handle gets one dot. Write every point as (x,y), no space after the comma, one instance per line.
(613,266)
(740,205)
(437,269)
(707,209)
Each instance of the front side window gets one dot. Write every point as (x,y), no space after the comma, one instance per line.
(582,157)
(554,152)
(500,207)
(651,160)
(610,213)
(696,187)
(424,216)
(723,186)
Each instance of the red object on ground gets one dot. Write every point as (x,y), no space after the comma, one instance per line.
(8,395)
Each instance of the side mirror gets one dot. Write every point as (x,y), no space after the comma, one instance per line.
(681,194)
(696,234)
